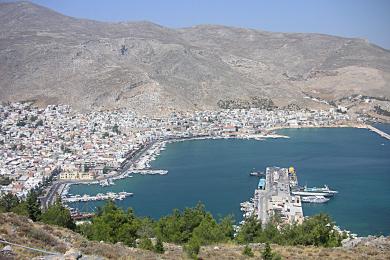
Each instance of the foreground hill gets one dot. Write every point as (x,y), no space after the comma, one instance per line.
(22,231)
(51,58)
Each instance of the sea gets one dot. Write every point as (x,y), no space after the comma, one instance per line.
(355,162)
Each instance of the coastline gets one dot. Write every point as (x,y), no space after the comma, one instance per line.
(153,149)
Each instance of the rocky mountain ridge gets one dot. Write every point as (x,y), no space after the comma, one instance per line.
(51,58)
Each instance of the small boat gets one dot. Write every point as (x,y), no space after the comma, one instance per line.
(256,173)
(315,199)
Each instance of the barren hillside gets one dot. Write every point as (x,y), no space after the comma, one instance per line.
(51,58)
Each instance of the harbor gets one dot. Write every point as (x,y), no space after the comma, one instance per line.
(278,194)
(209,170)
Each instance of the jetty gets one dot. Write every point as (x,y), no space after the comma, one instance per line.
(273,197)
(379,132)
(147,171)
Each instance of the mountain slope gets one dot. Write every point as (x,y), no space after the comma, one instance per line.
(52,58)
(22,231)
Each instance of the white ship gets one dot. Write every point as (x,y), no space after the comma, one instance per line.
(309,193)
(315,199)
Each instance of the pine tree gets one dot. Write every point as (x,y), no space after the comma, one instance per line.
(33,206)
(8,202)
(58,215)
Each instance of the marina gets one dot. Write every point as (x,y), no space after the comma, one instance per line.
(98,197)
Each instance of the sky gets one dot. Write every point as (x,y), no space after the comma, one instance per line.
(367,19)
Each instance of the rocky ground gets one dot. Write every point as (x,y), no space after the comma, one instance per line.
(69,245)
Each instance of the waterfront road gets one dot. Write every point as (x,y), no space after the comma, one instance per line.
(57,186)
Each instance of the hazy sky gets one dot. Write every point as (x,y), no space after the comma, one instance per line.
(368,19)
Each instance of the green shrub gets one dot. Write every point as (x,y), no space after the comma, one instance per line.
(248,251)
(146,244)
(159,247)
(192,248)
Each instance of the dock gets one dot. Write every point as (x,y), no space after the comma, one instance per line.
(379,132)
(273,197)
(109,195)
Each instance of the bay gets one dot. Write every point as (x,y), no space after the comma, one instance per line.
(356,162)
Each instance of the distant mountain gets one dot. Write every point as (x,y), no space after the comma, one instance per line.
(51,58)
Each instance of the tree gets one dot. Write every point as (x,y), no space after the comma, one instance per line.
(21,209)
(159,247)
(5,181)
(21,123)
(8,202)
(106,169)
(33,206)
(58,215)
(39,123)
(226,225)
(112,224)
(208,231)
(115,129)
(248,251)
(249,231)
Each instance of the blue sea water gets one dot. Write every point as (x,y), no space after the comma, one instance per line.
(356,162)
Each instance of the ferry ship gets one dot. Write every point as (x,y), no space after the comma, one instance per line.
(324,189)
(309,193)
(315,199)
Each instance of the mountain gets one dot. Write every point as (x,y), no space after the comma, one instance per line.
(51,58)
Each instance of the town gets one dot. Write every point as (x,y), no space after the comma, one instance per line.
(37,143)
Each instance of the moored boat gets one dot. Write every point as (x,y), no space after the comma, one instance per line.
(315,199)
(309,193)
(324,189)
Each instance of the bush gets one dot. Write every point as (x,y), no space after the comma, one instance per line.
(192,248)
(248,251)
(267,253)
(317,230)
(159,247)
(146,244)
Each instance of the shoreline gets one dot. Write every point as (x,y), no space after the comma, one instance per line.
(155,148)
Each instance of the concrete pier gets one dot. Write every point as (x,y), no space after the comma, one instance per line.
(379,132)
(275,197)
